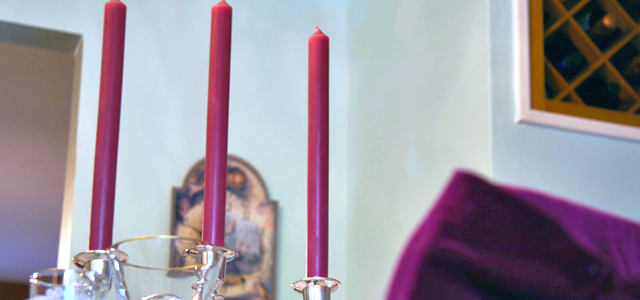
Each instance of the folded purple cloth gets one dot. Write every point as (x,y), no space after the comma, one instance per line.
(485,241)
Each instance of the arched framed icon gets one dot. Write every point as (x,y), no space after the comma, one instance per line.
(251,227)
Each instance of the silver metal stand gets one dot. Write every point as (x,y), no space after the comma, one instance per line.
(316,288)
(106,264)
(208,256)
(100,261)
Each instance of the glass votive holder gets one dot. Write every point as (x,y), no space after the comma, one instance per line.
(67,284)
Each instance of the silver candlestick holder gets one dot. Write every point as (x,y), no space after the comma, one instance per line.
(316,288)
(105,264)
(206,257)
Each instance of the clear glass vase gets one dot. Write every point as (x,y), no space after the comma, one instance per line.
(169,267)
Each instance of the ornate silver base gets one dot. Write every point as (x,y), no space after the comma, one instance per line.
(316,288)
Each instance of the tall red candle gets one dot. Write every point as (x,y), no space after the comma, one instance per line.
(318,157)
(215,186)
(104,174)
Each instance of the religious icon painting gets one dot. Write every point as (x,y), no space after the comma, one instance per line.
(250,228)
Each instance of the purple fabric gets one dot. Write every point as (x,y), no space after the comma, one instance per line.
(485,241)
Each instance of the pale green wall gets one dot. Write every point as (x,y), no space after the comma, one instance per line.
(164,106)
(415,75)
(418,88)
(418,108)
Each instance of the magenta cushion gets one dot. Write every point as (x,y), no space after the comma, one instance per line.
(486,241)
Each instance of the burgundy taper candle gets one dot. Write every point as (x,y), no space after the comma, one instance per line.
(318,157)
(215,185)
(104,173)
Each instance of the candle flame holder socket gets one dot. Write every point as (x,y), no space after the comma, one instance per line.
(316,288)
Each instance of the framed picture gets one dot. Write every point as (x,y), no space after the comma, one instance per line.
(552,94)
(251,228)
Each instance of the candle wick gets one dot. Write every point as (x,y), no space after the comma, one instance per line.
(317,28)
